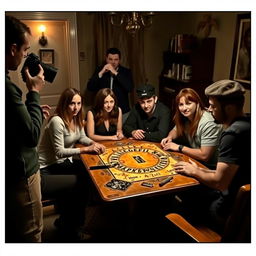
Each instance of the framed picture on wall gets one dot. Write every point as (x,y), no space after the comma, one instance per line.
(47,56)
(241,60)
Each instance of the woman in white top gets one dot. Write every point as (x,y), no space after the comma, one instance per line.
(63,176)
(194,124)
(64,129)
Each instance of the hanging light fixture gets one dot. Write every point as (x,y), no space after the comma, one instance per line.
(133,21)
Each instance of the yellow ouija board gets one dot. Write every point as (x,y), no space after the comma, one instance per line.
(138,162)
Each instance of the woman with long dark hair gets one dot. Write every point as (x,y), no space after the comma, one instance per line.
(104,120)
(63,176)
(196,126)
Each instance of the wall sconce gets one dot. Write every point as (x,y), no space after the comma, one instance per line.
(43,38)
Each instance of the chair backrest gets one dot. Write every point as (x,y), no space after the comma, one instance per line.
(238,225)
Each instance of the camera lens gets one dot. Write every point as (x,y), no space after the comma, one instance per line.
(32,61)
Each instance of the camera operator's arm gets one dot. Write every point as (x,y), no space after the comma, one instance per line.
(30,116)
(37,82)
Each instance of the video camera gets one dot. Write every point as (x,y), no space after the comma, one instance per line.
(32,62)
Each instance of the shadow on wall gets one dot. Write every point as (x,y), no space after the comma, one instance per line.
(89,98)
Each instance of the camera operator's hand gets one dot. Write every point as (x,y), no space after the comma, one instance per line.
(45,109)
(37,82)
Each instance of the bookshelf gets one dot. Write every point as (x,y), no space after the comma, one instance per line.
(189,62)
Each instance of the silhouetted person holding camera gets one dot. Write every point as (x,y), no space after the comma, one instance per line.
(23,215)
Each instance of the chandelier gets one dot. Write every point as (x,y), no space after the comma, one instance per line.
(133,21)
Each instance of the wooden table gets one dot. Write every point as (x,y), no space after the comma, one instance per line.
(101,177)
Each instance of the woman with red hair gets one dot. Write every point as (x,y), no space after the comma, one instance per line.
(196,125)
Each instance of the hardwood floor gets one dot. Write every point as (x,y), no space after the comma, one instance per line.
(130,221)
(50,233)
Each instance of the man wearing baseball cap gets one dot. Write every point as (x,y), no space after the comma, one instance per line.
(226,100)
(149,119)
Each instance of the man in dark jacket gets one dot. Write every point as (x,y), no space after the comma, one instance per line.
(149,119)
(22,126)
(114,76)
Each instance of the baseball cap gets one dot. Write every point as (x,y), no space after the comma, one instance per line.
(145,91)
(225,88)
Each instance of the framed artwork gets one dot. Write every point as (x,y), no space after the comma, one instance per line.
(47,56)
(241,60)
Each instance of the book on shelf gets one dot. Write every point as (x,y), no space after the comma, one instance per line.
(181,43)
(187,72)
(180,72)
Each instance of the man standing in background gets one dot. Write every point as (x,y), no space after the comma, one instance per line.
(116,77)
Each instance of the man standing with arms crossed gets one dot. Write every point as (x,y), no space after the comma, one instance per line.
(23,215)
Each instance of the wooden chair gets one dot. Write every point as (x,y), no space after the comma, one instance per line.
(237,227)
